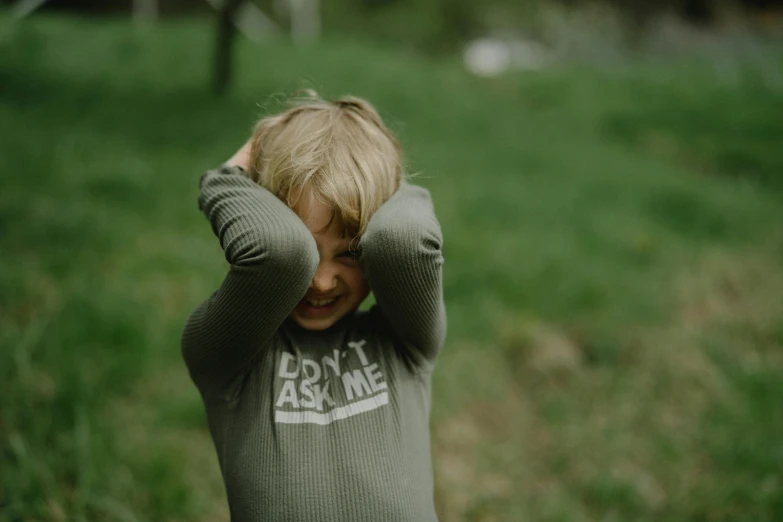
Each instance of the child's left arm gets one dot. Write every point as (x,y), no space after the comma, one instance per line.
(401,253)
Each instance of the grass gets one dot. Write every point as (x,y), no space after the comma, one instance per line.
(614,256)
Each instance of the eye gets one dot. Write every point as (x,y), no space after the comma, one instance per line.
(350,255)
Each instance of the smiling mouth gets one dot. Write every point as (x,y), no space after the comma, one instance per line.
(318,308)
(321,303)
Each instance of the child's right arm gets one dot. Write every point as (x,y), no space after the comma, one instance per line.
(272,258)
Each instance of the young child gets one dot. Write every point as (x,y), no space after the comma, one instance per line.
(320,412)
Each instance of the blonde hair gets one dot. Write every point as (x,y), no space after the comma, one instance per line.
(339,152)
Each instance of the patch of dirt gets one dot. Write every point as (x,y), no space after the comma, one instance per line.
(463,481)
(732,289)
(484,455)
(535,348)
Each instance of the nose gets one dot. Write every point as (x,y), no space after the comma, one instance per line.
(324,280)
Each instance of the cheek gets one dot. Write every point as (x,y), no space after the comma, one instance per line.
(353,278)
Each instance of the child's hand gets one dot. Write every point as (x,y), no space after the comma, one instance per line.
(242,157)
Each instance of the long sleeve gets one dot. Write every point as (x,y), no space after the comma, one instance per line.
(272,258)
(401,254)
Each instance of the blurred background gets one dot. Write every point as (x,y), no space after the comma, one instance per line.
(609,178)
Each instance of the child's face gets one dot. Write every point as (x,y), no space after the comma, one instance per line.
(338,286)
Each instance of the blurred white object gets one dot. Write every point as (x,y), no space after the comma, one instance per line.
(490,57)
(24,7)
(254,23)
(487,57)
(305,21)
(251,21)
(145,12)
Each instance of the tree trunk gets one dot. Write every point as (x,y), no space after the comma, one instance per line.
(226,31)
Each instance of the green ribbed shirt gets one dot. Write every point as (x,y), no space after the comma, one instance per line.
(326,425)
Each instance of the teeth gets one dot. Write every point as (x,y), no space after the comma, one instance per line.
(321,302)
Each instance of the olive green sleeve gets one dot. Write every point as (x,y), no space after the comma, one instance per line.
(402,259)
(272,258)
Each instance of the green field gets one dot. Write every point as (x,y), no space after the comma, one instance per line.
(613,275)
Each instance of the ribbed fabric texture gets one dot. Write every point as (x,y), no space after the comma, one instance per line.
(318,426)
